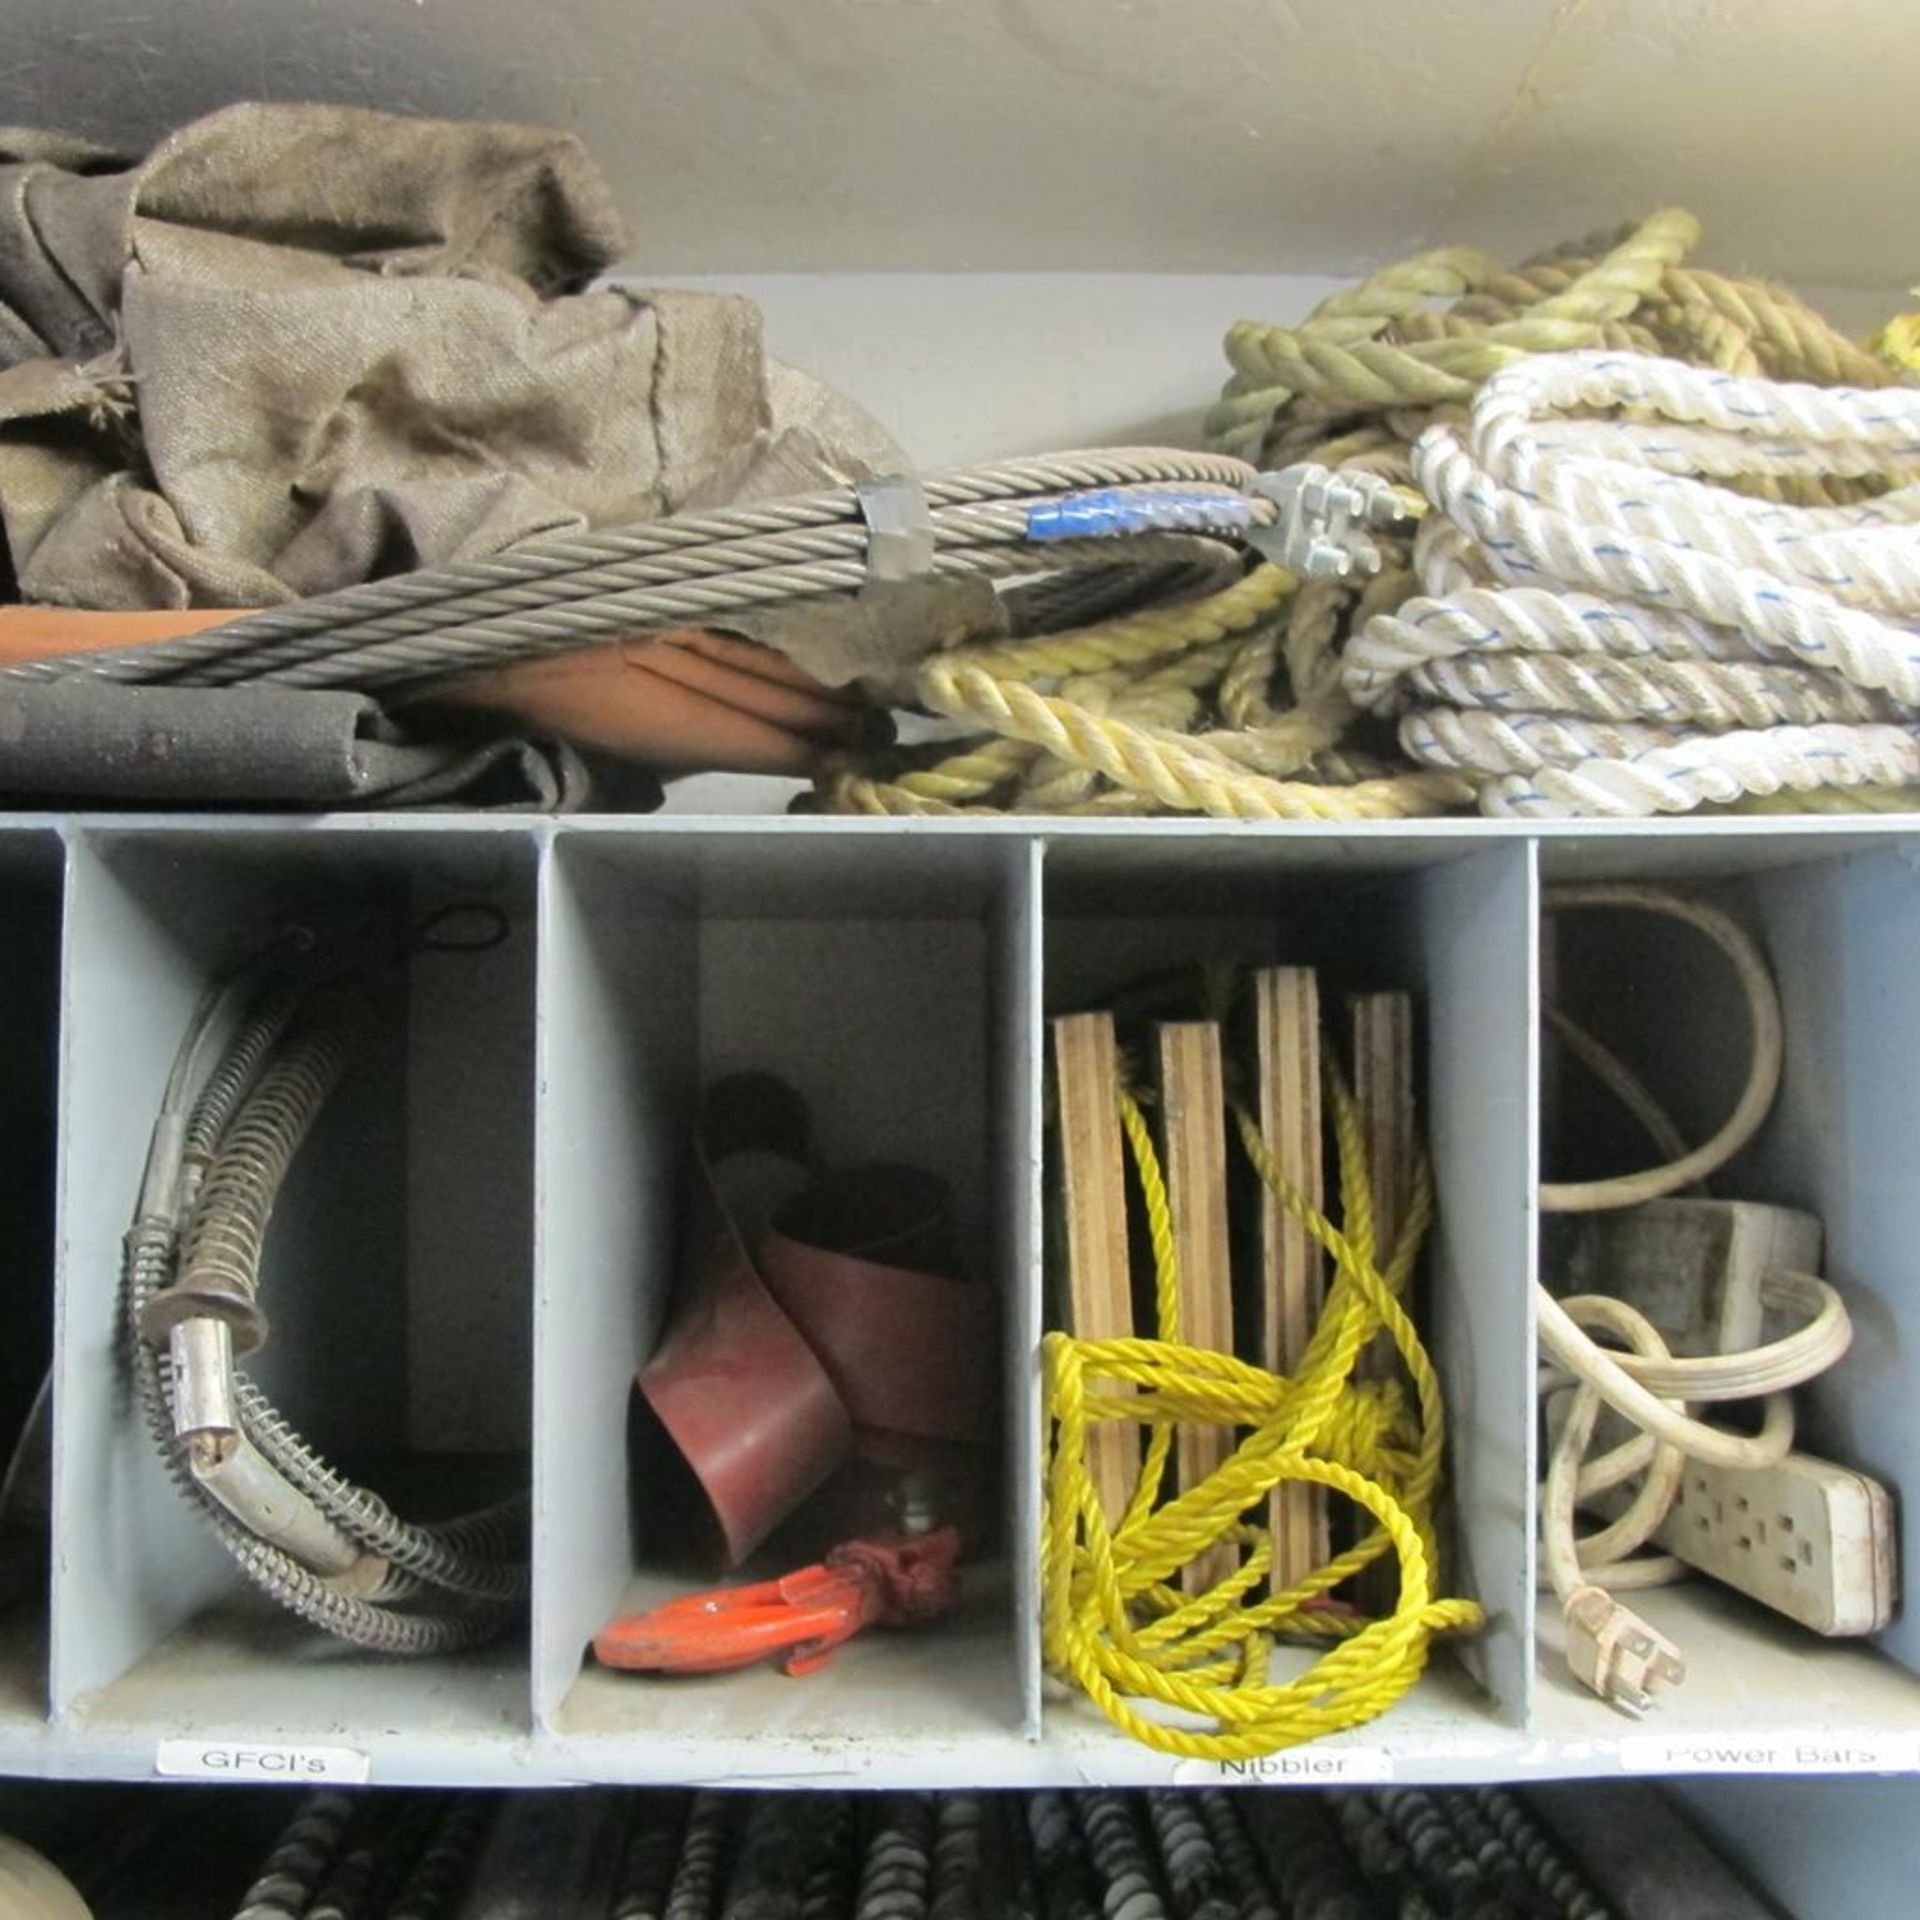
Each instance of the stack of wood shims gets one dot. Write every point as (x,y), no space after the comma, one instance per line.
(1192,1059)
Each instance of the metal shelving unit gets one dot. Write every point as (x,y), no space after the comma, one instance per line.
(1005,229)
(472,1263)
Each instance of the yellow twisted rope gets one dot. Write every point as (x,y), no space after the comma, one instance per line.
(1139,638)
(1114,1625)
(1898,343)
(1176,770)
(1127,686)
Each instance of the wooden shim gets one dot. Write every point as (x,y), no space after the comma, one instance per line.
(1099,1276)
(1287,1047)
(1194,1129)
(1383,1095)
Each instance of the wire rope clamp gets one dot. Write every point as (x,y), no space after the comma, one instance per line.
(900,538)
(1324,518)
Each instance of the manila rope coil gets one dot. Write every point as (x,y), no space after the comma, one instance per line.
(1112,1622)
(1640,1380)
(1245,704)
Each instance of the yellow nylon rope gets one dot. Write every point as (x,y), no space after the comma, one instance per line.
(1114,1625)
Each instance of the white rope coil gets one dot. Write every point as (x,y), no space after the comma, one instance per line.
(1603,631)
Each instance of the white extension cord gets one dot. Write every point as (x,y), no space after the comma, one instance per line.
(1600,632)
(1609,1647)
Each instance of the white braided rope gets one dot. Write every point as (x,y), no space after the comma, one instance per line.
(1712,769)
(1600,631)
(1713,694)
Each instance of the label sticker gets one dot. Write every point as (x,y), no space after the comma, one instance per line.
(249,1760)
(1359,1766)
(1795,1753)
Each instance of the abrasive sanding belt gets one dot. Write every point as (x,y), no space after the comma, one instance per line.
(829,1340)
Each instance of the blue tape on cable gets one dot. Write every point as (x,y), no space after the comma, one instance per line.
(1108,512)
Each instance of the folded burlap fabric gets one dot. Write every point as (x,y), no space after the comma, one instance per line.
(299,346)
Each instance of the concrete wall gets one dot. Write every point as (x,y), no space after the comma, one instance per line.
(1172,135)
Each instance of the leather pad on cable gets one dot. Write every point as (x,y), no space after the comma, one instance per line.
(835,1336)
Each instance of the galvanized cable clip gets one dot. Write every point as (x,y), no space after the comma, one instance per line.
(1324,519)
(899,526)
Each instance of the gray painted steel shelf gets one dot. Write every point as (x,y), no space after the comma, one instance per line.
(476,1256)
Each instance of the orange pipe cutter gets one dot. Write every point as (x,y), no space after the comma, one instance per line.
(799,1619)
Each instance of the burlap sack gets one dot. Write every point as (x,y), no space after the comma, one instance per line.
(300,346)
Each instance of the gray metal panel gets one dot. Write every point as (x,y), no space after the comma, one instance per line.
(31,884)
(1452,918)
(1020,1201)
(1844,939)
(874,973)
(1824,1849)
(469,1116)
(617,1073)
(128,1564)
(1476,955)
(139,1645)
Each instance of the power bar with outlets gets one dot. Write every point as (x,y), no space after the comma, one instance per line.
(1812,1540)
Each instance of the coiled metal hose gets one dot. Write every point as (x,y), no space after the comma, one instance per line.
(647,1862)
(897,1872)
(1540,1855)
(1251,1898)
(1340,1854)
(712,1828)
(441,1873)
(292,1871)
(1197,1882)
(958,1858)
(201,1229)
(1119,1858)
(1068,1888)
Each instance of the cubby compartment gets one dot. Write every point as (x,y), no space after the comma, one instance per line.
(888,979)
(1837,914)
(30,869)
(1450,921)
(396,1278)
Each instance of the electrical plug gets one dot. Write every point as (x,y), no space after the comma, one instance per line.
(1613,1651)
